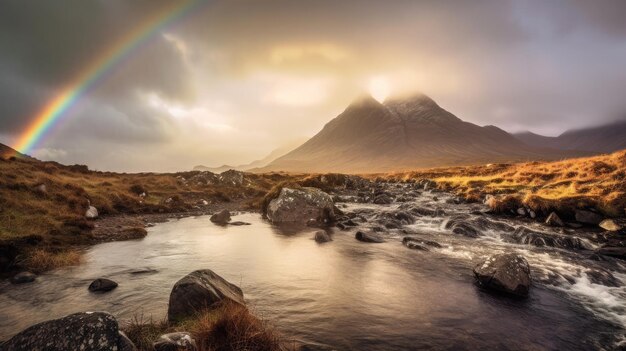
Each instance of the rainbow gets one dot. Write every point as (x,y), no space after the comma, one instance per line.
(97,71)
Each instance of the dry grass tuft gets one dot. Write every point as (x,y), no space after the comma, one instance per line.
(41,260)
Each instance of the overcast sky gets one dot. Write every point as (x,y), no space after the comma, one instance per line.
(237,79)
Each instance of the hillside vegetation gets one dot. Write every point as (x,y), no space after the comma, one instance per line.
(593,182)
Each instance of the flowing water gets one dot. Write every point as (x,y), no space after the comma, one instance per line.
(346,294)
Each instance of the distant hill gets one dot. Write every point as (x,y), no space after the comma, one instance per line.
(403,134)
(7,152)
(606,138)
(255,164)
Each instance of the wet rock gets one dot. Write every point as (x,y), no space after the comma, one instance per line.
(484,223)
(87,331)
(91,213)
(413,245)
(610,225)
(238,223)
(408,239)
(300,206)
(613,251)
(180,341)
(588,217)
(368,237)
(523,235)
(459,226)
(23,277)
(603,277)
(222,217)
(322,237)
(383,199)
(102,285)
(508,273)
(554,220)
(124,343)
(574,225)
(200,289)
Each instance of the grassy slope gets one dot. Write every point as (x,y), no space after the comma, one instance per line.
(561,186)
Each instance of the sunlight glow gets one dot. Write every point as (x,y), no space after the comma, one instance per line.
(379,88)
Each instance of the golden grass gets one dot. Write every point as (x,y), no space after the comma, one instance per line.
(230,327)
(40,260)
(561,186)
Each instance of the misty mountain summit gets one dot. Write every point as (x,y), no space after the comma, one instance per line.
(402,133)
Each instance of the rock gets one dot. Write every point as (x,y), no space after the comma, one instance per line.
(23,277)
(461,227)
(554,220)
(180,341)
(508,273)
(238,223)
(301,206)
(368,237)
(521,211)
(91,213)
(41,189)
(383,199)
(87,331)
(523,235)
(435,198)
(610,225)
(222,217)
(613,251)
(532,214)
(200,289)
(102,285)
(322,237)
(408,239)
(588,217)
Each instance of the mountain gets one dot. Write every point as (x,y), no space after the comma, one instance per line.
(276,153)
(403,134)
(606,138)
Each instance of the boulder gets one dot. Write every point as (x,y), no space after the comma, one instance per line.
(102,285)
(91,213)
(588,217)
(368,237)
(180,341)
(461,227)
(23,277)
(200,289)
(554,220)
(86,331)
(300,206)
(508,273)
(222,217)
(610,225)
(322,237)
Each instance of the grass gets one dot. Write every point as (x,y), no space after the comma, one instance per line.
(41,260)
(229,327)
(593,182)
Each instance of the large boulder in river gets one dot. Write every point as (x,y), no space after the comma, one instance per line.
(299,205)
(88,331)
(508,273)
(198,290)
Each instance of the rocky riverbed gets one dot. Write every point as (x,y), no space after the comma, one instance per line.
(396,266)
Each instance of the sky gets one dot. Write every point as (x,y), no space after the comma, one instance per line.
(234,80)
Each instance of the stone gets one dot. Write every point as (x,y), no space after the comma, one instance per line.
(368,237)
(610,225)
(23,277)
(301,205)
(91,213)
(201,289)
(554,220)
(588,217)
(86,331)
(124,343)
(613,251)
(102,285)
(180,341)
(222,217)
(383,199)
(238,223)
(508,273)
(407,239)
(322,236)
(521,211)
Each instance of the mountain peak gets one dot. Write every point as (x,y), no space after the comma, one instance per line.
(364,101)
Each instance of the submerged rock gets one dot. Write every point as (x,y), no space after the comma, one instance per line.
(508,273)
(23,277)
(523,235)
(180,341)
(300,206)
(368,237)
(200,289)
(222,217)
(407,240)
(322,237)
(238,223)
(102,285)
(87,331)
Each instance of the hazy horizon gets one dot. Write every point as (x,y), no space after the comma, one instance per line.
(232,81)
